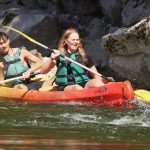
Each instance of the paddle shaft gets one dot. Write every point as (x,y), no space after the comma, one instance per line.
(16,78)
(36,42)
(11,79)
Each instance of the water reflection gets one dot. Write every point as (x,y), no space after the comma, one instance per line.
(31,142)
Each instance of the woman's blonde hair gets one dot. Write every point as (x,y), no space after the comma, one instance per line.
(62,46)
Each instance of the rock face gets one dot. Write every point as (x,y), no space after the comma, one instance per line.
(34,23)
(130,52)
(45,20)
(125,49)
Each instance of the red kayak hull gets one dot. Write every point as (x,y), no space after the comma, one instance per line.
(111,94)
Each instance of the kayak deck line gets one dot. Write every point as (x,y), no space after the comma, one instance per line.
(111,94)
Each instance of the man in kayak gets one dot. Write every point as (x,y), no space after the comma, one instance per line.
(71,76)
(15,63)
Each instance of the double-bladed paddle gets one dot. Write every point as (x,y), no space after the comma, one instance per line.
(36,42)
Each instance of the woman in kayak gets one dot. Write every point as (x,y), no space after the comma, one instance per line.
(69,75)
(15,63)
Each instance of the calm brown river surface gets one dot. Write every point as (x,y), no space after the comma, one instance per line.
(71,127)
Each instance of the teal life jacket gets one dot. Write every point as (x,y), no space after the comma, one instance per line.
(14,67)
(78,74)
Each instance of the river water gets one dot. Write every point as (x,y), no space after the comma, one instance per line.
(71,127)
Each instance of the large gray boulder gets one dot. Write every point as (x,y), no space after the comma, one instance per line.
(130,52)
